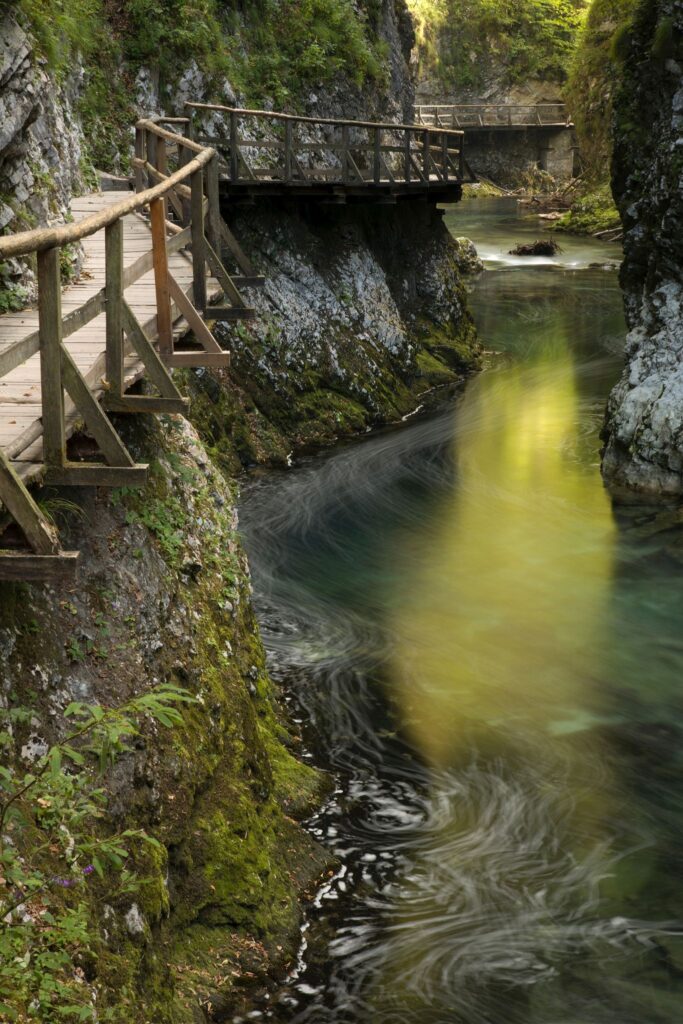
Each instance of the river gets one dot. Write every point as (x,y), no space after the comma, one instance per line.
(485,647)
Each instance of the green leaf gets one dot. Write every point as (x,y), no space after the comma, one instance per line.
(55,761)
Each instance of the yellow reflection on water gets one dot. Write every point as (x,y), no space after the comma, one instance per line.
(502,620)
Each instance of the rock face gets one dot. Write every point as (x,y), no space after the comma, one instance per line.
(163,596)
(363,311)
(644,427)
(40,141)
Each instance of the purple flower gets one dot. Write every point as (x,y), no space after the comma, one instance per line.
(88,869)
(65,883)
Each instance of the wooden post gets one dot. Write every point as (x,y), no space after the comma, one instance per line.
(377,156)
(345,154)
(52,392)
(162,164)
(461,162)
(426,153)
(152,153)
(234,148)
(406,154)
(198,254)
(213,195)
(288,151)
(113,247)
(140,152)
(444,155)
(163,295)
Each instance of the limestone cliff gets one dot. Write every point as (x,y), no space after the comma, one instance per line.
(361,315)
(644,428)
(164,596)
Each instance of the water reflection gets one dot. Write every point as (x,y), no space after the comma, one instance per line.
(491,659)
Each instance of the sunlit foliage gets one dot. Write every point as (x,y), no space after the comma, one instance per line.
(462,43)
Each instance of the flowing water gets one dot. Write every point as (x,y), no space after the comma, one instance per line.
(486,650)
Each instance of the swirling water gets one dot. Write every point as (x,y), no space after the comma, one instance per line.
(486,649)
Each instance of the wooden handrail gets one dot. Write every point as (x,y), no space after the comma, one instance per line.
(41,239)
(337,122)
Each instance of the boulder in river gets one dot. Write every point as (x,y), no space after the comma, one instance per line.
(541,247)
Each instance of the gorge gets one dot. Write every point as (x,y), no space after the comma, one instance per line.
(394,735)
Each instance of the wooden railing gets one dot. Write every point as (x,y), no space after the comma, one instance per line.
(493,115)
(176,182)
(263,146)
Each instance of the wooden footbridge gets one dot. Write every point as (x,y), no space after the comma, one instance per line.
(494,116)
(160,265)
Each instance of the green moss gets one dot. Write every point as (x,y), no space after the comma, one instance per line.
(594,73)
(593,212)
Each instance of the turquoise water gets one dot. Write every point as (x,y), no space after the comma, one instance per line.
(486,648)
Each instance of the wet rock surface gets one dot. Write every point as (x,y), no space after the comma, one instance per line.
(644,428)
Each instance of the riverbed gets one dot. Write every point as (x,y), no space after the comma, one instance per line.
(484,647)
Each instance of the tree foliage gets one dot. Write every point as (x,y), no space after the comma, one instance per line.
(462,42)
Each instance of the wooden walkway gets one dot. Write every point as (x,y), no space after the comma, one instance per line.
(155,271)
(494,116)
(330,160)
(20,390)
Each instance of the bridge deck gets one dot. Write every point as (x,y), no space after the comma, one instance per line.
(20,389)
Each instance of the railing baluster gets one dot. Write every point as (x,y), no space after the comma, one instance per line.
(444,155)
(161,286)
(113,248)
(152,141)
(426,154)
(406,155)
(52,392)
(288,150)
(377,164)
(234,148)
(345,154)
(213,195)
(140,153)
(198,253)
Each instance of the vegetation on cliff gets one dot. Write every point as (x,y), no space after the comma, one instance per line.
(273,50)
(466,43)
(594,74)
(163,600)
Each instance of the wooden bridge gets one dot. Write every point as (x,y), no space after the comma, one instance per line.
(162,265)
(502,116)
(326,160)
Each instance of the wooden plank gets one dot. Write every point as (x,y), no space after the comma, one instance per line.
(30,568)
(96,474)
(114,294)
(222,276)
(209,359)
(50,311)
(38,532)
(242,260)
(145,404)
(198,240)
(156,370)
(230,313)
(161,287)
(195,322)
(96,421)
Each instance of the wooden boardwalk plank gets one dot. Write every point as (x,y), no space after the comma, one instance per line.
(20,396)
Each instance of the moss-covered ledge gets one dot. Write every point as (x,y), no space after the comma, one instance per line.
(164,596)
